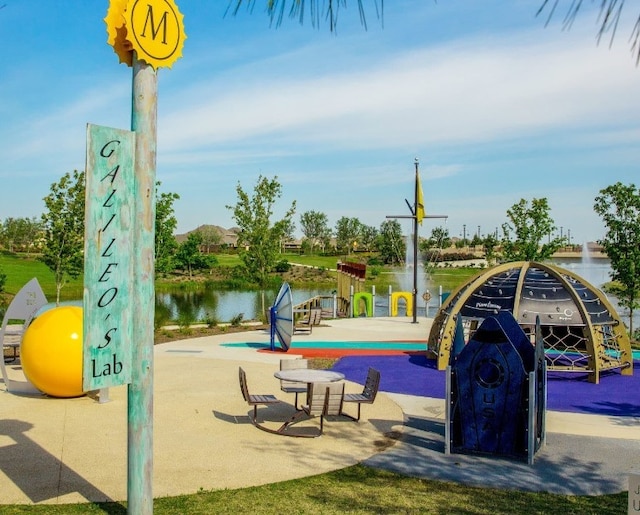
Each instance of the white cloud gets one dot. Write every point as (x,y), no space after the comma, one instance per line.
(468,91)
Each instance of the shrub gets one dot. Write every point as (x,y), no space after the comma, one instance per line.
(449,256)
(211,320)
(3,303)
(236,320)
(282,266)
(162,316)
(375,261)
(185,320)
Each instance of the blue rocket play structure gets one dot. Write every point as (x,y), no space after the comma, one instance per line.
(496,391)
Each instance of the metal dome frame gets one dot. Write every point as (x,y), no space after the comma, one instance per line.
(581,330)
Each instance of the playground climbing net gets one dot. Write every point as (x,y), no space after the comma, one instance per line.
(568,349)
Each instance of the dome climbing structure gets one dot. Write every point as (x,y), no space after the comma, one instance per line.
(581,330)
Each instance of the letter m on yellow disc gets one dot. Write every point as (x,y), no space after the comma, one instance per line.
(155,29)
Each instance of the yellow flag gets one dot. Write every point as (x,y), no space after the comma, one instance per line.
(420,200)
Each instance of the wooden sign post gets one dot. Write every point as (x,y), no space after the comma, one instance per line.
(146,35)
(108,251)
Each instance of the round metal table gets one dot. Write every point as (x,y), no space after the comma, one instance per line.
(309,375)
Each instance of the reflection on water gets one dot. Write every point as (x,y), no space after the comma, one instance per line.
(224,305)
(594,271)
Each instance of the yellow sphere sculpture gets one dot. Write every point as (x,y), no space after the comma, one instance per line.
(51,352)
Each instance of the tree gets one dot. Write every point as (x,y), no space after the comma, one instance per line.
(476,240)
(347,233)
(391,244)
(3,302)
(439,238)
(314,226)
(530,224)
(3,281)
(462,243)
(368,237)
(432,247)
(288,229)
(489,244)
(8,233)
(19,234)
(619,207)
(259,238)
(211,237)
(63,225)
(31,230)
(166,223)
(188,256)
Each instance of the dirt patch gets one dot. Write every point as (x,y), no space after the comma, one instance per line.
(170,335)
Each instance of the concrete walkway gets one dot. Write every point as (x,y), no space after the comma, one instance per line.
(74,450)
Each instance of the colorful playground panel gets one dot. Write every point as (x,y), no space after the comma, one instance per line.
(412,346)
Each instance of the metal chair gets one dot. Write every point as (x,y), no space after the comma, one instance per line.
(368,394)
(306,324)
(291,386)
(255,400)
(324,399)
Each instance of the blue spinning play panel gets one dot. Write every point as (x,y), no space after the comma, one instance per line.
(281,318)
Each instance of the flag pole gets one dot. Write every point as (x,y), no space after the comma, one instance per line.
(415,246)
(417,215)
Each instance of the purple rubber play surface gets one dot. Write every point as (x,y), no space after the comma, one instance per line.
(616,395)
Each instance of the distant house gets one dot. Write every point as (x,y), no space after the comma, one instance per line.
(292,246)
(215,238)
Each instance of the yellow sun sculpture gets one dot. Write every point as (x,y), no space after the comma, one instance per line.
(117,31)
(154,29)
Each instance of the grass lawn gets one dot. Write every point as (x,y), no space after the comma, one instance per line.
(228,259)
(448,278)
(357,489)
(20,269)
(329,262)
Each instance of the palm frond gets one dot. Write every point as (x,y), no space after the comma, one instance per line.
(608,20)
(298,9)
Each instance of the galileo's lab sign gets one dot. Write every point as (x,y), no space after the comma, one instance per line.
(109,255)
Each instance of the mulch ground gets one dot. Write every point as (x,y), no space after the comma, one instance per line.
(170,335)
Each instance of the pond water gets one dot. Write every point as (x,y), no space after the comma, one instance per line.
(597,272)
(224,305)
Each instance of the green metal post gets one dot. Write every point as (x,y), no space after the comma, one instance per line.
(140,393)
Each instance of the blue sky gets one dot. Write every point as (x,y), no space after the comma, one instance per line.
(495,106)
